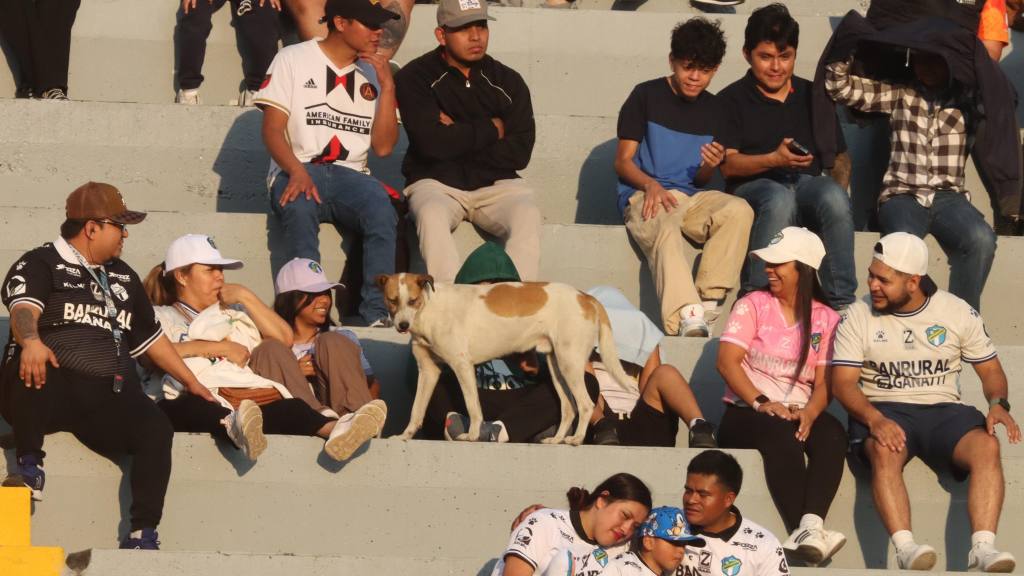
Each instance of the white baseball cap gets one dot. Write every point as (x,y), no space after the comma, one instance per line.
(196,249)
(304,275)
(903,252)
(793,243)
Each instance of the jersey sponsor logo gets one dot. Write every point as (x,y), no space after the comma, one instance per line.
(686,570)
(566,536)
(936,335)
(368,92)
(71,286)
(95,316)
(745,546)
(121,277)
(909,373)
(69,270)
(325,115)
(524,536)
(309,84)
(266,81)
(880,336)
(731,565)
(16,286)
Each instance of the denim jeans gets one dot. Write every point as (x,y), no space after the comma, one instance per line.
(816,203)
(968,241)
(353,202)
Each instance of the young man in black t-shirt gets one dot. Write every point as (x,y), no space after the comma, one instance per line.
(771,158)
(668,150)
(79,318)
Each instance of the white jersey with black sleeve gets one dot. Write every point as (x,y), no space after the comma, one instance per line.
(746,549)
(554,543)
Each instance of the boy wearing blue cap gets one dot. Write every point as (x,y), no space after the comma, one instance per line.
(659,546)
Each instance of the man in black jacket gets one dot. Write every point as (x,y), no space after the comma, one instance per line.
(470,126)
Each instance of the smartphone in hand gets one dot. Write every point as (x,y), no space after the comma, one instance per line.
(798,148)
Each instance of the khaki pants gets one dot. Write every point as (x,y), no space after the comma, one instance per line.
(719,221)
(505,209)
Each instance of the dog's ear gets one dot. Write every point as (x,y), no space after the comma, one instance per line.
(425,280)
(381,280)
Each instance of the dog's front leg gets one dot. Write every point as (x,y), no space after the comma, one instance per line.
(429,372)
(466,374)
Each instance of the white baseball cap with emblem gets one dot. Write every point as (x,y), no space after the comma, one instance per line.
(304,275)
(793,243)
(196,249)
(903,252)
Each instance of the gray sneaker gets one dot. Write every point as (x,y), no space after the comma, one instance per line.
(456,425)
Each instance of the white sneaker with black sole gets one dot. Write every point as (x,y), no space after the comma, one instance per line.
(245,429)
(916,557)
(814,545)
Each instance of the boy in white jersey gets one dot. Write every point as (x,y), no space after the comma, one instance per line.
(896,370)
(326,103)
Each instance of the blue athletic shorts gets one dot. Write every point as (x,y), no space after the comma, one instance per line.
(933,431)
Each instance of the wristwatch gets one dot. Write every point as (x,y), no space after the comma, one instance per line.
(762,399)
(1000,402)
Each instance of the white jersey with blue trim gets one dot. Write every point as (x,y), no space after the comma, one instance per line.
(912,357)
(555,545)
(746,549)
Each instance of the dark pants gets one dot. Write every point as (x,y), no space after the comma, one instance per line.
(292,416)
(968,241)
(797,487)
(257,28)
(39,34)
(109,423)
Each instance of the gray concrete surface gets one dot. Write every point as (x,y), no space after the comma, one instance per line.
(434,500)
(798,8)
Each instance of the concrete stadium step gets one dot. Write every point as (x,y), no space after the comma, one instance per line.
(581,255)
(439,500)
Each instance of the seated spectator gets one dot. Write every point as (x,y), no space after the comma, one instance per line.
(39,35)
(79,318)
(773,356)
(667,152)
(470,126)
(660,546)
(326,103)
(933,119)
(258,28)
(310,22)
(240,348)
(650,417)
(771,155)
(559,541)
(896,370)
(331,358)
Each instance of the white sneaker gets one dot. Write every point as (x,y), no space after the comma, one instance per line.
(916,557)
(245,429)
(189,97)
(246,98)
(988,559)
(378,410)
(694,327)
(345,440)
(814,545)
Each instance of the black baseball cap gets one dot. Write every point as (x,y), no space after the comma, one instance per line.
(369,12)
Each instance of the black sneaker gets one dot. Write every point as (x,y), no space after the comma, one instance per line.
(28,474)
(605,432)
(146,540)
(702,435)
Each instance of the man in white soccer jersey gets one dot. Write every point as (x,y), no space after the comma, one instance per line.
(326,103)
(905,352)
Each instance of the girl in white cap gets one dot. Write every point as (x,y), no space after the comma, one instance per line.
(339,378)
(239,349)
(773,355)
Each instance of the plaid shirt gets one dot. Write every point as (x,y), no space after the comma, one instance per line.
(930,139)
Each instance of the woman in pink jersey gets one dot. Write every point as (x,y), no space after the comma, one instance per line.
(773,356)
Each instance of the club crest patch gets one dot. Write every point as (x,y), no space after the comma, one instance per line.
(368,92)
(936,335)
(315,267)
(731,565)
(601,556)
(816,341)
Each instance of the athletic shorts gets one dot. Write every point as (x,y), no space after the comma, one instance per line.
(645,426)
(933,431)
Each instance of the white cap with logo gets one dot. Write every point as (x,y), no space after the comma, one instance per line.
(793,244)
(903,252)
(196,249)
(304,275)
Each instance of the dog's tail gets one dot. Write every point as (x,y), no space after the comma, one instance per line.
(609,353)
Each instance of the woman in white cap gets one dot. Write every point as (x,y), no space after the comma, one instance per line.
(339,378)
(773,355)
(239,349)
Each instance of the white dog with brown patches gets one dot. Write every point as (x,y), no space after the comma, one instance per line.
(465,325)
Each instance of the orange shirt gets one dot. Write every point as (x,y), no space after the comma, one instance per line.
(993,25)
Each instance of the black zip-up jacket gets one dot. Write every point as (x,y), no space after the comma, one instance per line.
(467,154)
(997,145)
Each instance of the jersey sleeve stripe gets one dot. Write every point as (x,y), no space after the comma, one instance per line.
(141,348)
(735,341)
(519,554)
(978,360)
(847,363)
(26,300)
(266,102)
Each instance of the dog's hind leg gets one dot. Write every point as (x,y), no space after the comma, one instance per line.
(572,368)
(466,373)
(429,372)
(566,409)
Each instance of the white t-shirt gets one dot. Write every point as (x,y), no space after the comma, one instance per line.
(330,110)
(912,357)
(548,541)
(747,549)
(628,564)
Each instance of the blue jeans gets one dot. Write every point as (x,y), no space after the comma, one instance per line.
(820,205)
(353,202)
(968,241)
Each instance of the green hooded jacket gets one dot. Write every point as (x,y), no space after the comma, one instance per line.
(488,263)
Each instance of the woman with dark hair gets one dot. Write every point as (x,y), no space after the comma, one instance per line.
(774,356)
(339,379)
(560,542)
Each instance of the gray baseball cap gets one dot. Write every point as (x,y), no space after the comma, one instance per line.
(456,13)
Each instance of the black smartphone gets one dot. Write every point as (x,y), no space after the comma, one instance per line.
(798,148)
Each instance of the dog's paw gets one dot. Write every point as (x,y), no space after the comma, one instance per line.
(407,435)
(551,440)
(465,437)
(573,440)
